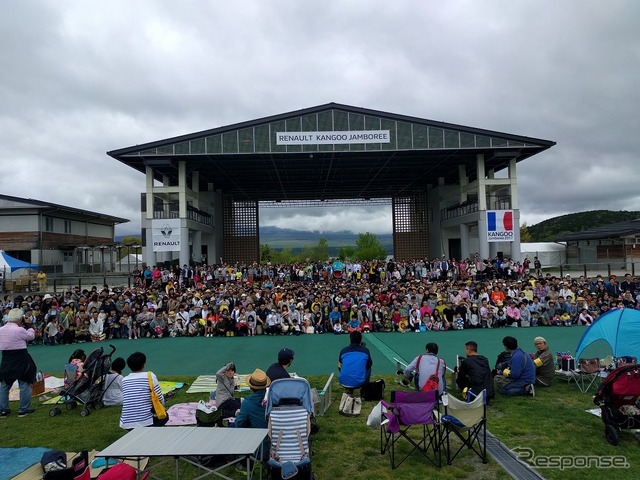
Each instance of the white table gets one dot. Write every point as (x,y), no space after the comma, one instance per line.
(179,443)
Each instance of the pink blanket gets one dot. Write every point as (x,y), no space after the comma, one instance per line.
(182,414)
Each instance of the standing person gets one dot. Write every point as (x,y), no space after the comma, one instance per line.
(424,367)
(279,369)
(225,389)
(137,408)
(517,376)
(544,362)
(538,267)
(354,363)
(474,372)
(16,364)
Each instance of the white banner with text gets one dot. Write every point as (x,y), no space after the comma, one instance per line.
(165,235)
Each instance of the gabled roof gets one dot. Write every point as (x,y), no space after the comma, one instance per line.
(612,231)
(245,160)
(50,207)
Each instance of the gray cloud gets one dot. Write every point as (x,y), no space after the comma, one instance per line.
(80,78)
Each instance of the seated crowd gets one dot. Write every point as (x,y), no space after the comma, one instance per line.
(301,299)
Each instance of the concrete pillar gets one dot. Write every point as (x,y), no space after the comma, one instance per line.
(148,255)
(182,189)
(185,257)
(483,244)
(464,241)
(196,239)
(515,245)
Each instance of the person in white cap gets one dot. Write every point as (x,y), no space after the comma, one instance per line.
(16,364)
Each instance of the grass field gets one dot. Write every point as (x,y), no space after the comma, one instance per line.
(553,423)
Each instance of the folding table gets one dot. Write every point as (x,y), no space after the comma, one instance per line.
(185,443)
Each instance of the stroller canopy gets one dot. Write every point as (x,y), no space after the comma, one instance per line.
(620,328)
(288,391)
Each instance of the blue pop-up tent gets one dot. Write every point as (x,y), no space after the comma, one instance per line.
(620,328)
(8,264)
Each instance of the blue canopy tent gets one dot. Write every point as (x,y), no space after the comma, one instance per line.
(8,264)
(620,328)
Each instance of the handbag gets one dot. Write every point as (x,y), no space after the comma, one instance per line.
(350,406)
(158,407)
(373,391)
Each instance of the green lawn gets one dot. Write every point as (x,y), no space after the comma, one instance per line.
(552,423)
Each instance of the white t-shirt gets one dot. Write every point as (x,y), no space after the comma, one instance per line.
(113,390)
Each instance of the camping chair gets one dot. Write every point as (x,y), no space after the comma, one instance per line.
(411,416)
(625,360)
(587,373)
(468,422)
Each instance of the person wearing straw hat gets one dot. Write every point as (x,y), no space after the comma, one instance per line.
(252,408)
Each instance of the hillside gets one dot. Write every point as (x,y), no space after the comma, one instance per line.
(552,228)
(279,238)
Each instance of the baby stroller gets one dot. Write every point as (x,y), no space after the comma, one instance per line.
(618,399)
(89,388)
(290,408)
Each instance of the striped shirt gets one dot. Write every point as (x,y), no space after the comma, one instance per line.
(136,400)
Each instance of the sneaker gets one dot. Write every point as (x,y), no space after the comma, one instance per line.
(26,412)
(4,413)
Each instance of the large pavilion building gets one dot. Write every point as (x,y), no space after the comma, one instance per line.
(204,189)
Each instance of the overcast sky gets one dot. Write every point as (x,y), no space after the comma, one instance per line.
(80,78)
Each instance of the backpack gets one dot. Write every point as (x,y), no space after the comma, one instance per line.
(120,471)
(433,382)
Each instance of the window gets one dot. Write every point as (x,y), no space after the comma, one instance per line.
(67,226)
(48,224)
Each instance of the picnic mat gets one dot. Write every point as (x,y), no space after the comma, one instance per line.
(182,414)
(165,386)
(15,460)
(207,383)
(34,472)
(50,384)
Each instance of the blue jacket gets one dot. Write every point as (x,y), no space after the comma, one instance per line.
(522,369)
(354,364)
(252,412)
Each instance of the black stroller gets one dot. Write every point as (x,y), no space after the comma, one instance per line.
(619,400)
(89,388)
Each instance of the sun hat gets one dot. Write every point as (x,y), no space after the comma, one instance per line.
(258,380)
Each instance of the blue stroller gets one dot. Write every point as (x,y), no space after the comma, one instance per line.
(290,408)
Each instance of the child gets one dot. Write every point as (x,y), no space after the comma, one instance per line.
(77,359)
(113,383)
(133,327)
(52,330)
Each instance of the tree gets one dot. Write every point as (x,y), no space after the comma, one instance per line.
(345,253)
(525,234)
(368,247)
(265,253)
(132,245)
(320,253)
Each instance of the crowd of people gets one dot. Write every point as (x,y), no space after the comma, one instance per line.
(303,299)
